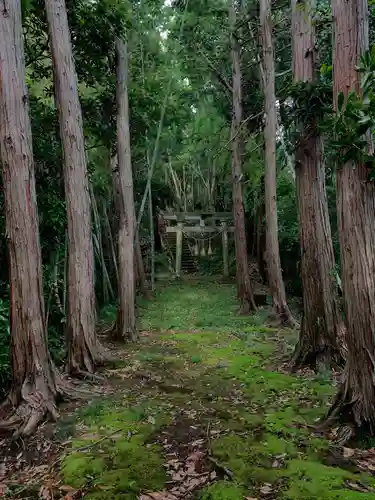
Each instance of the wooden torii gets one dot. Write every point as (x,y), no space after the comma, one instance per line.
(202,223)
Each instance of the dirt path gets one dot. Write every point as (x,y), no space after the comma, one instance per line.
(192,411)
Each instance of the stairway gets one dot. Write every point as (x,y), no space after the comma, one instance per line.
(188,264)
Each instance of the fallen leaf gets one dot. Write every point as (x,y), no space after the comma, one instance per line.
(178,476)
(45,493)
(266,489)
(358,487)
(197,442)
(67,489)
(348,452)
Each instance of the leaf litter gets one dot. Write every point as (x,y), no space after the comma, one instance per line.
(187,464)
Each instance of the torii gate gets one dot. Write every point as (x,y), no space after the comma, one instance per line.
(182,223)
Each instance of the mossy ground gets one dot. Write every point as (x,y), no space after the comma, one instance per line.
(202,371)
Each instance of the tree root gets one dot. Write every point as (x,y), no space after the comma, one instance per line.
(247,306)
(87,375)
(108,331)
(116,336)
(353,409)
(35,402)
(319,359)
(28,415)
(86,359)
(283,320)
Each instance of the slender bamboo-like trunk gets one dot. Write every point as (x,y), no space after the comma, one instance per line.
(275,278)
(152,238)
(318,345)
(244,288)
(355,402)
(125,324)
(84,351)
(35,381)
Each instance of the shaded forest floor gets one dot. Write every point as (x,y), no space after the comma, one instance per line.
(201,408)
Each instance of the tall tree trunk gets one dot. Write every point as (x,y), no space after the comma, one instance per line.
(140,275)
(260,233)
(355,401)
(35,382)
(275,278)
(140,269)
(84,351)
(244,288)
(125,324)
(318,345)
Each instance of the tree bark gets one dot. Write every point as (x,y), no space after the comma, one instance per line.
(35,381)
(318,345)
(140,270)
(275,279)
(260,234)
(84,350)
(244,288)
(355,402)
(140,275)
(125,324)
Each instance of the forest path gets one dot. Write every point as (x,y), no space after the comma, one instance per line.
(198,410)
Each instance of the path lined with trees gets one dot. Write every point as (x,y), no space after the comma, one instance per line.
(113,113)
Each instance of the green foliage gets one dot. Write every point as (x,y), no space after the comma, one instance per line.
(354,119)
(350,125)
(311,101)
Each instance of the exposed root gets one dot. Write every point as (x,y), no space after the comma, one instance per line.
(117,335)
(36,402)
(353,409)
(28,415)
(246,307)
(108,331)
(320,356)
(284,320)
(320,360)
(88,376)
(85,358)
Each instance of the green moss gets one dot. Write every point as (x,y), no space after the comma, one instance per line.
(251,458)
(223,490)
(80,469)
(221,378)
(114,456)
(315,481)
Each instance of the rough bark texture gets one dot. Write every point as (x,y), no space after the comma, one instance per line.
(84,351)
(140,275)
(244,288)
(140,270)
(125,324)
(260,234)
(35,382)
(318,345)
(275,279)
(355,401)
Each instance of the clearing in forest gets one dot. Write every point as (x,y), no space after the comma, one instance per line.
(198,409)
